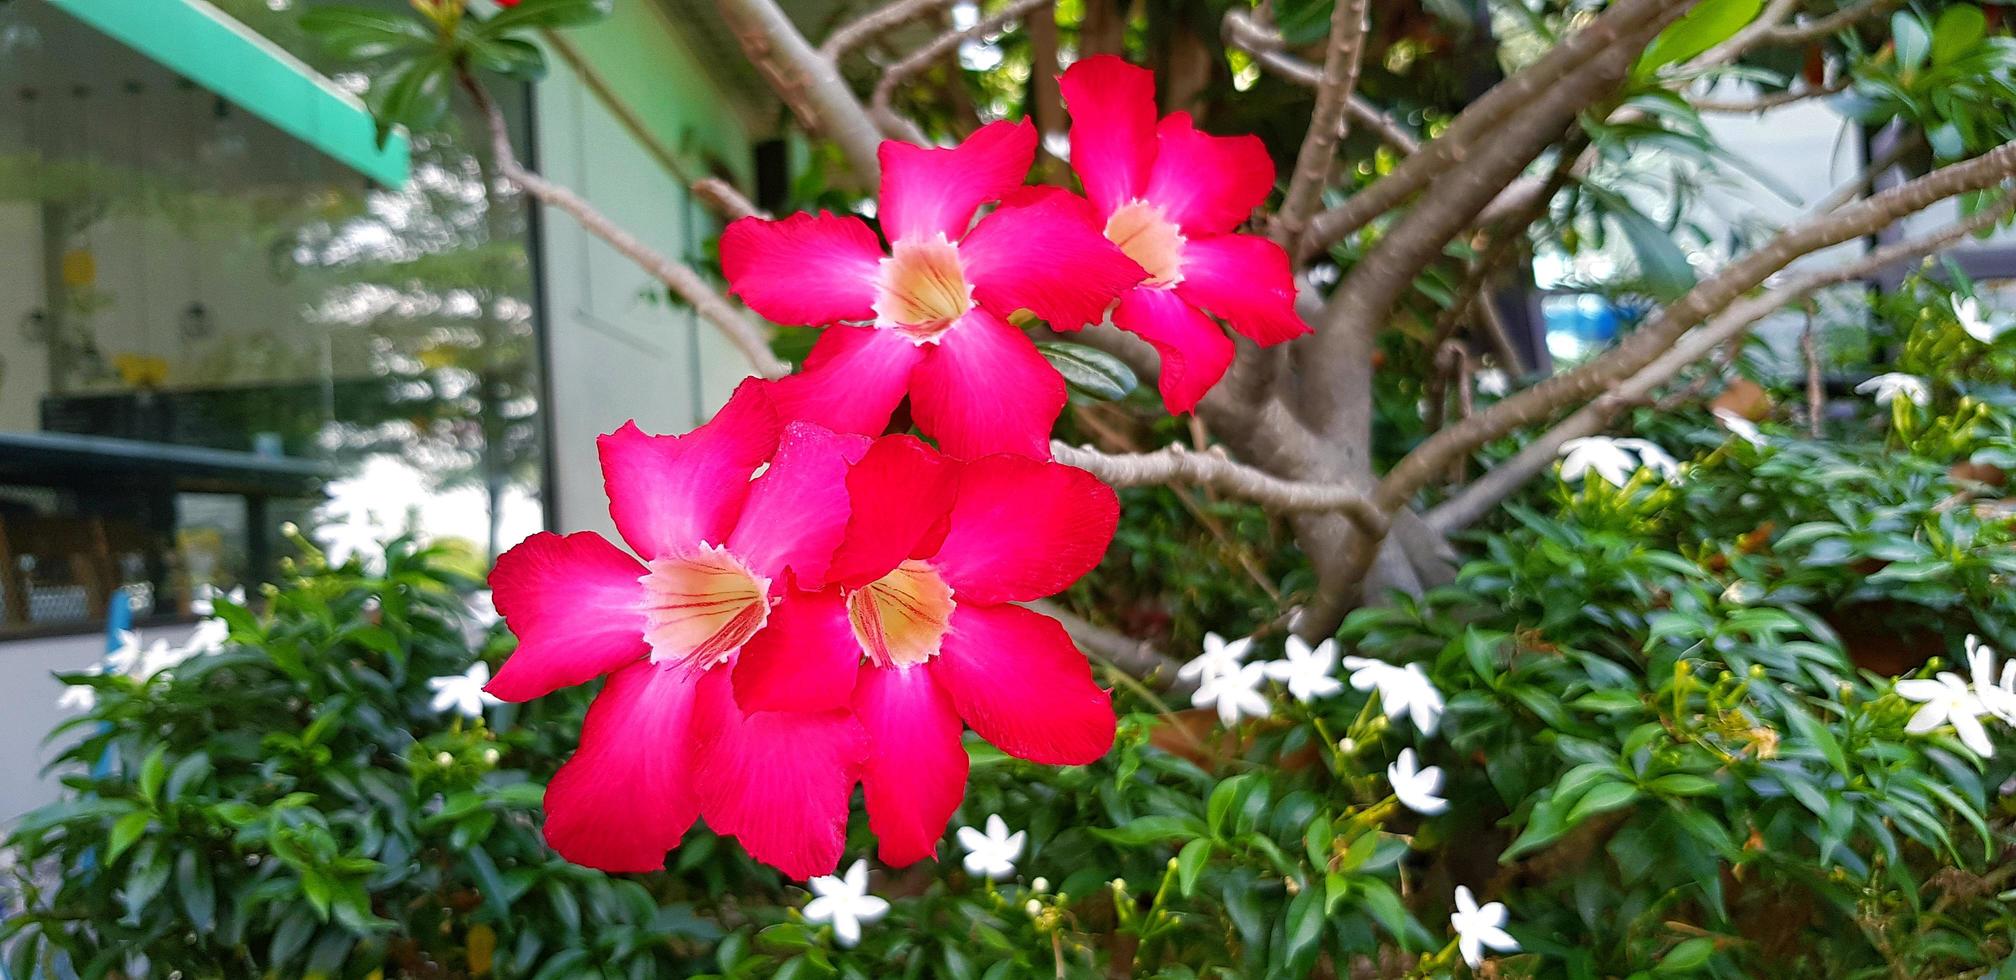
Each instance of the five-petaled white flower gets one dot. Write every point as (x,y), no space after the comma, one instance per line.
(1742,427)
(1307,671)
(845,902)
(1614,459)
(1886,388)
(1654,458)
(992,854)
(204,603)
(1478,927)
(463,692)
(1416,787)
(1947,700)
(160,656)
(1493,382)
(1997,694)
(1236,692)
(77,697)
(1977,324)
(1220,656)
(1402,690)
(122,659)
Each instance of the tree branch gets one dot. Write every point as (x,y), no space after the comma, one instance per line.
(1211,467)
(1491,489)
(864,28)
(1137,657)
(1328,123)
(1815,232)
(880,104)
(1834,23)
(807,82)
(747,335)
(1765,103)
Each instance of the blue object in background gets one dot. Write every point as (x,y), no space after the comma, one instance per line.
(118,619)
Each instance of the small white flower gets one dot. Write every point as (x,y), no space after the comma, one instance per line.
(1998,695)
(1402,690)
(1478,927)
(204,603)
(1236,693)
(1493,382)
(159,656)
(463,692)
(1742,427)
(1947,700)
(1416,787)
(1654,458)
(1598,453)
(1220,656)
(1972,320)
(1887,387)
(122,659)
(1307,672)
(992,854)
(77,697)
(209,636)
(845,902)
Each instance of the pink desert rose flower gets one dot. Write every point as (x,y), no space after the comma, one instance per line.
(929,317)
(1169,196)
(923,638)
(664,741)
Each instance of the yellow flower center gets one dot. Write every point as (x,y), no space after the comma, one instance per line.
(701,608)
(901,618)
(923,289)
(1151,240)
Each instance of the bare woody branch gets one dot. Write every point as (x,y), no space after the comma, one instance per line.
(865,28)
(881,103)
(724,199)
(1246,34)
(743,332)
(1176,463)
(1816,232)
(807,82)
(1834,23)
(1327,124)
(1485,118)
(1491,489)
(1765,103)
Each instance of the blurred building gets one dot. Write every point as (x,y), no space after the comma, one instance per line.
(226,305)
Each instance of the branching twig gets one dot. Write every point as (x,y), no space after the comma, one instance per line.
(1246,34)
(687,284)
(864,28)
(1813,30)
(1176,463)
(807,82)
(1327,124)
(1765,103)
(725,199)
(880,104)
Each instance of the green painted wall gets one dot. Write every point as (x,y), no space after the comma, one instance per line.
(643,55)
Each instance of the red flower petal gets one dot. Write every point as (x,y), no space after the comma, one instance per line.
(1207,184)
(804,658)
(901,492)
(984,388)
(852,381)
(1112,107)
(778,781)
(935,191)
(797,510)
(573,602)
(1015,677)
(1195,351)
(916,771)
(1245,281)
(669,493)
(1040,255)
(1023,529)
(808,268)
(626,796)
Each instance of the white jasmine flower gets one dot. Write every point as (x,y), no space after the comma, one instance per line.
(1887,387)
(1220,656)
(992,854)
(77,697)
(122,659)
(1307,671)
(1236,693)
(1947,700)
(159,656)
(1742,427)
(1416,787)
(204,603)
(1402,690)
(1493,382)
(463,692)
(1975,322)
(845,902)
(1598,453)
(1478,927)
(1998,695)
(209,636)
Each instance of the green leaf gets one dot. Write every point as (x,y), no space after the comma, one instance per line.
(1305,930)
(154,772)
(511,57)
(150,872)
(1710,23)
(1959,29)
(1601,798)
(361,34)
(1683,784)
(1914,42)
(1190,864)
(1148,830)
(545,13)
(194,888)
(1092,371)
(1687,957)
(124,832)
(1662,263)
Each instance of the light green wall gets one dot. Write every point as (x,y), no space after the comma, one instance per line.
(644,57)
